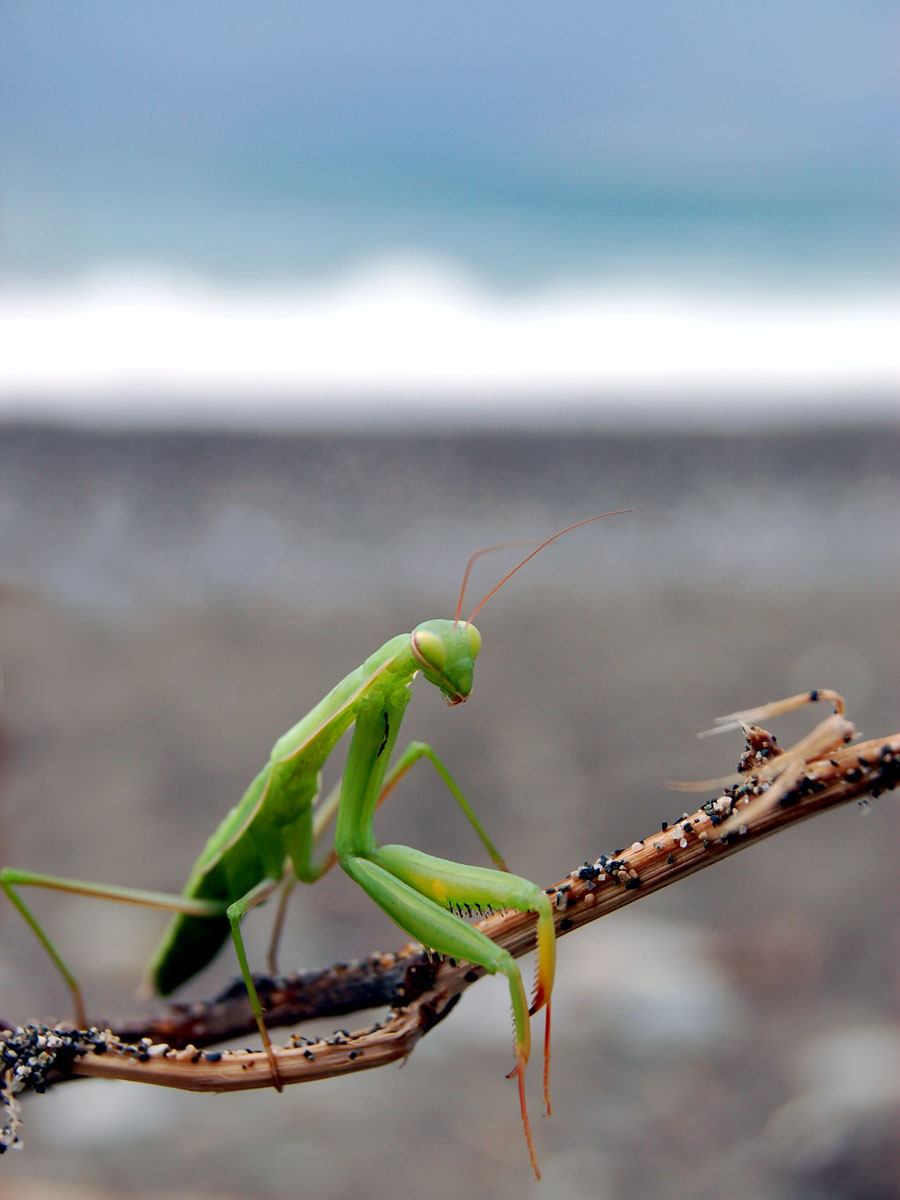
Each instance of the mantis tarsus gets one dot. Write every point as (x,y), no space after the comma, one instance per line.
(269,839)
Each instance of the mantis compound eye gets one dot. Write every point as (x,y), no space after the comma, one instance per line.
(474,639)
(429,650)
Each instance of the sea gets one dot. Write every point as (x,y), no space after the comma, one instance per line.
(324,302)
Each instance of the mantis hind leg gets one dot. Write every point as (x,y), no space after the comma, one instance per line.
(11,879)
(394,880)
(235,913)
(7,879)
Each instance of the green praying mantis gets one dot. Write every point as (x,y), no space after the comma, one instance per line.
(269,839)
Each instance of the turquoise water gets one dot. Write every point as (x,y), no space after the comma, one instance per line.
(263,217)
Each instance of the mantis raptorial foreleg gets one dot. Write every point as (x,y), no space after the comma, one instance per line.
(417,890)
(464,888)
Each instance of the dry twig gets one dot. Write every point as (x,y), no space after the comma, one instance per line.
(169,1050)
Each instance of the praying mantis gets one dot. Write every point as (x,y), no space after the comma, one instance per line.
(269,839)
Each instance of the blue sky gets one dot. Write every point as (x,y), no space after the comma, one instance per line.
(494,99)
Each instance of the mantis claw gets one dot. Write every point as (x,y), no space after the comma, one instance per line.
(538,1003)
(519,1071)
(277,1082)
(547,1109)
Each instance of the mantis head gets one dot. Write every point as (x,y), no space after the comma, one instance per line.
(446,652)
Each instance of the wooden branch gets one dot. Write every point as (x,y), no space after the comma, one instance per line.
(168,1050)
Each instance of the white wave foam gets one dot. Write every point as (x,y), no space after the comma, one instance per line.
(401,340)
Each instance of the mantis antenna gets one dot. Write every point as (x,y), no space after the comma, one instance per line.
(504,545)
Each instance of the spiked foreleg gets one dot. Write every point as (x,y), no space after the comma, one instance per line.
(416,890)
(461,887)
(456,886)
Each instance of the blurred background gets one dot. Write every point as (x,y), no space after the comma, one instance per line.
(299,306)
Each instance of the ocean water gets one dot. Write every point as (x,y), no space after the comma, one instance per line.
(309,300)
(315,217)
(416,341)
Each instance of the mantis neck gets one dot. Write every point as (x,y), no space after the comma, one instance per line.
(374,737)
